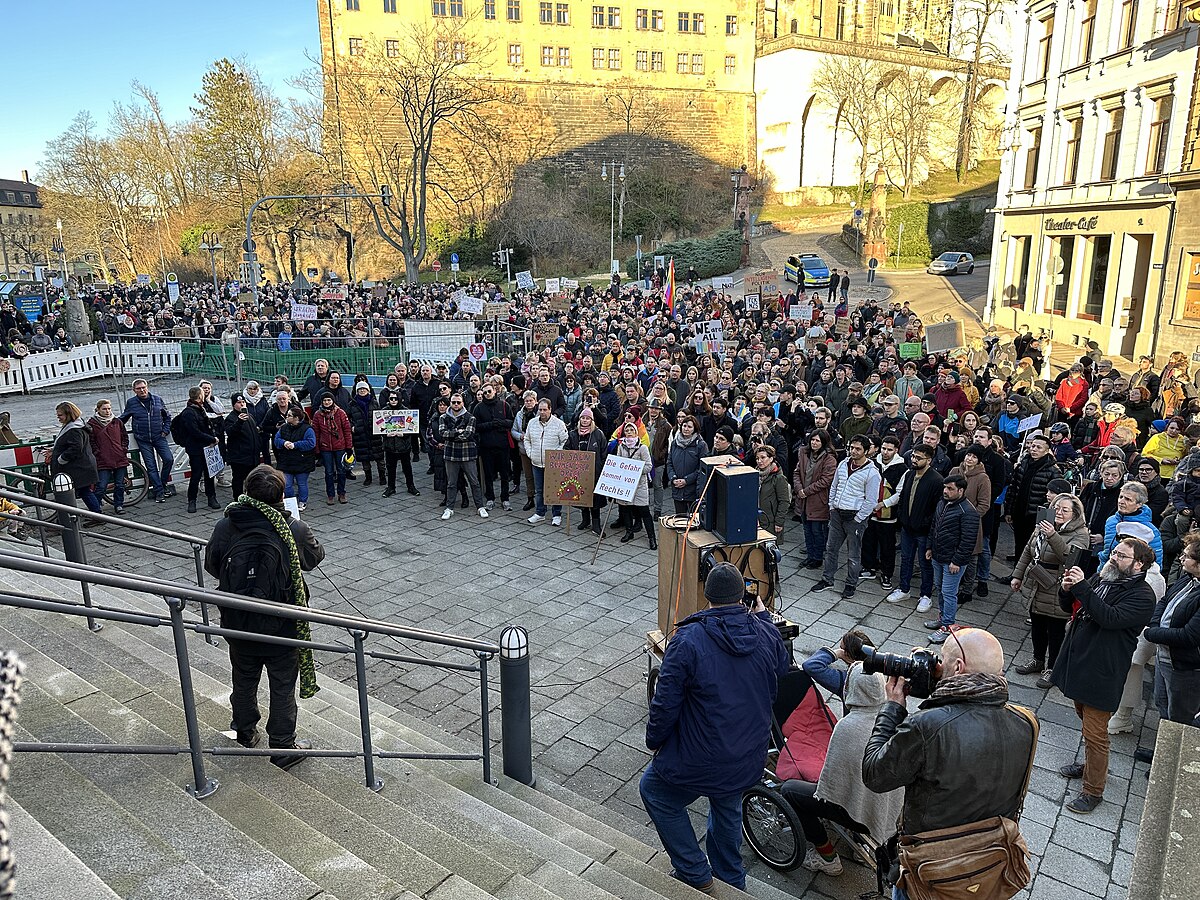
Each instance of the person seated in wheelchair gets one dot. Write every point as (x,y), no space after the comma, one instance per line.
(835,792)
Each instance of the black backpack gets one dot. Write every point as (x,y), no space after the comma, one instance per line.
(177,431)
(257,566)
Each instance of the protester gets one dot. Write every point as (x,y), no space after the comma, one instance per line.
(852,498)
(110,446)
(686,450)
(296,454)
(953,539)
(71,454)
(194,431)
(151,428)
(334,439)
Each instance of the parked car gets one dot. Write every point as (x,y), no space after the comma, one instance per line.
(807,269)
(951,263)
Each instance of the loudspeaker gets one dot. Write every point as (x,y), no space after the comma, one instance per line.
(730,508)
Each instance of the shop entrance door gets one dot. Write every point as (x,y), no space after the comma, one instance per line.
(1137,293)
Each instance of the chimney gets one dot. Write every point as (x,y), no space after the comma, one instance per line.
(25,175)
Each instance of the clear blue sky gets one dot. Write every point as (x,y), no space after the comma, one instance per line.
(83,54)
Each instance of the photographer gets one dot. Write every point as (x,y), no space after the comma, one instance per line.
(967,717)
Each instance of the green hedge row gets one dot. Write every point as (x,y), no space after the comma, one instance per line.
(716,255)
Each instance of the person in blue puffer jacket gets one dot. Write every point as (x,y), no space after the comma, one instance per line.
(709,727)
(1131,507)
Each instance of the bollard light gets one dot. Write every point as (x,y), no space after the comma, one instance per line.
(514,642)
(63,483)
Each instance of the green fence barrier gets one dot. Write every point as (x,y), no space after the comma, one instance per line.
(214,360)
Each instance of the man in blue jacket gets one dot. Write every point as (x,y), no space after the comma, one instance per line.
(151,428)
(709,727)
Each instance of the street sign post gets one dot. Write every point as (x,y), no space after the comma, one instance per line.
(437,267)
(453,262)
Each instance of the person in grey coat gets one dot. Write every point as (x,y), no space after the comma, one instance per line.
(683,463)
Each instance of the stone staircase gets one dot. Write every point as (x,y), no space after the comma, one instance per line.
(92,826)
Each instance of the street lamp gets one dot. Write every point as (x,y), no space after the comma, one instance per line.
(56,245)
(612,207)
(211,244)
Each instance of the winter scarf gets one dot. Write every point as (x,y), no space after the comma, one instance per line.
(976,685)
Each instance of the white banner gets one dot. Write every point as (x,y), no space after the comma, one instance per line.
(304,310)
(525,281)
(619,478)
(568,284)
(552,285)
(428,341)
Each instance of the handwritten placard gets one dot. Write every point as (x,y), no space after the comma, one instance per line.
(304,310)
(910,350)
(392,422)
(620,477)
(570,477)
(552,285)
(525,281)
(468,304)
(1029,423)
(495,310)
(543,334)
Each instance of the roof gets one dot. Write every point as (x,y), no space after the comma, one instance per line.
(18,188)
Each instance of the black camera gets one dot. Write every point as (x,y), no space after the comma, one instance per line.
(921,670)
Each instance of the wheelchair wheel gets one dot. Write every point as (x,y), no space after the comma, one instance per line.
(772,828)
(651,684)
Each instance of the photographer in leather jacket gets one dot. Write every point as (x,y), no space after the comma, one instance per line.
(964,718)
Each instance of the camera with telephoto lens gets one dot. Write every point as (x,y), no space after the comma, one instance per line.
(922,669)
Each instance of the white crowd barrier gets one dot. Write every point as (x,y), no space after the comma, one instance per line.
(55,367)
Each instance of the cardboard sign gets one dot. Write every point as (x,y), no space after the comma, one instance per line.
(333,293)
(752,302)
(379,291)
(495,310)
(525,281)
(944,336)
(568,284)
(391,422)
(910,350)
(801,312)
(543,334)
(570,477)
(552,285)
(213,460)
(722,282)
(477,352)
(303,310)
(710,339)
(620,477)
(471,305)
(1029,423)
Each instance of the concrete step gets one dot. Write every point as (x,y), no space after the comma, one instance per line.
(44,864)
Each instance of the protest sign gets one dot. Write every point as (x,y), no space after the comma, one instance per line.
(379,291)
(752,302)
(570,477)
(552,285)
(710,338)
(332,293)
(303,310)
(944,336)
(213,460)
(391,422)
(1029,423)
(620,477)
(525,281)
(802,312)
(569,284)
(543,334)
(477,352)
(468,304)
(910,350)
(495,310)
(722,282)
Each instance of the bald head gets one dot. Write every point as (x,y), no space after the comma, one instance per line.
(975,651)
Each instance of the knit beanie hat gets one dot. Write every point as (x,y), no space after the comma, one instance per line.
(724,585)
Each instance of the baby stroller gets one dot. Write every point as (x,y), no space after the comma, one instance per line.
(769,823)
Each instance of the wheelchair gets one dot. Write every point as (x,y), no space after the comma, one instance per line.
(769,823)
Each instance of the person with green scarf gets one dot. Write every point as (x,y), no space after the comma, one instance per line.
(257,527)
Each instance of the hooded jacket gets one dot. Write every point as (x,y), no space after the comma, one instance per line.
(710,719)
(1142,515)
(72,454)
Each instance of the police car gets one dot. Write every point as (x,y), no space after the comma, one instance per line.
(809,267)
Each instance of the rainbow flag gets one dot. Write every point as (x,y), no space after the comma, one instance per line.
(669,292)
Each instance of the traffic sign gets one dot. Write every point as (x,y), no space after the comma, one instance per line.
(248,245)
(873,263)
(858,213)
(172,278)
(437,265)
(453,257)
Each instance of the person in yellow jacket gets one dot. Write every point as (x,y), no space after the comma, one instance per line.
(1168,447)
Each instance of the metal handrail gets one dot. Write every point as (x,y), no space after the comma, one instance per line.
(13,473)
(176,597)
(104,517)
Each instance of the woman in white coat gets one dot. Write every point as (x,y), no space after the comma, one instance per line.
(630,446)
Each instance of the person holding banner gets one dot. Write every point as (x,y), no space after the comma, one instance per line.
(630,446)
(398,448)
(586,436)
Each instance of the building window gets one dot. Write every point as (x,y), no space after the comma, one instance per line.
(356,46)
(547,56)
(352,5)
(731,25)
(564,57)
(546,13)
(562,13)
(392,46)
(641,20)
(656,61)
(840,24)
(1071,162)
(730,64)
(681,63)
(442,49)
(1062,277)
(597,16)
(1087,32)
(685,22)
(1043,51)
(389,6)
(614,17)
(439,7)
(642,61)
(1015,293)
(515,56)
(1112,145)
(656,20)
(1160,135)
(1093,300)
(1033,157)
(456,9)
(1129,14)
(614,58)
(597,58)
(698,23)
(513,13)
(489,9)
(460,51)
(697,63)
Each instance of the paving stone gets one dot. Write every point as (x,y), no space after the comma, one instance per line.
(1086,839)
(1075,869)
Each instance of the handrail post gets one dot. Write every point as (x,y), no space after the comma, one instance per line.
(37,511)
(485,726)
(200,583)
(364,712)
(202,786)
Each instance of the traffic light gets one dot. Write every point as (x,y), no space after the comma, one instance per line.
(385,195)
(498,259)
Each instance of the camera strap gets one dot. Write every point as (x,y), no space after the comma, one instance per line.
(1036,728)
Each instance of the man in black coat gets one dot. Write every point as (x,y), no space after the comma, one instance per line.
(951,546)
(195,431)
(1114,605)
(493,423)
(919,495)
(546,389)
(1027,490)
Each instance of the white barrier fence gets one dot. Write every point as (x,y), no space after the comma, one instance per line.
(39,370)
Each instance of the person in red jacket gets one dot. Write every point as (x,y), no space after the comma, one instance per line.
(1071,395)
(949,396)
(334,436)
(110,445)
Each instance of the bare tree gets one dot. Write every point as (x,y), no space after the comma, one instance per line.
(908,116)
(643,119)
(850,85)
(982,39)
